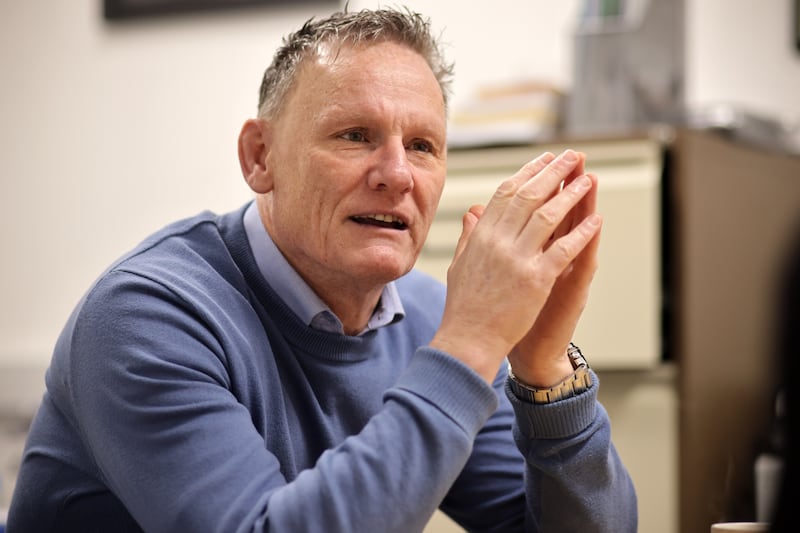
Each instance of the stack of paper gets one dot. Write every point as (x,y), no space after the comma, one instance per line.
(508,114)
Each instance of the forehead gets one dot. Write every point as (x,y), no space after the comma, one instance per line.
(366,72)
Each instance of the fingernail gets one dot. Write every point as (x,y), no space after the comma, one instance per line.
(594,219)
(570,156)
(583,182)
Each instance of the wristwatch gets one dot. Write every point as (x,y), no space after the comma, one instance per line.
(578,382)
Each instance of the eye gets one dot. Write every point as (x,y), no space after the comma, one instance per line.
(421,146)
(357,136)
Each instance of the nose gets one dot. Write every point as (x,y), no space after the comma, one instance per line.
(391,170)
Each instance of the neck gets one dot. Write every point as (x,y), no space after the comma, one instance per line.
(353,308)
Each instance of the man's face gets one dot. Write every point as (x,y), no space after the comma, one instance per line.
(357,163)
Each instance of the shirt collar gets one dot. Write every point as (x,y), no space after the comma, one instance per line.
(293,290)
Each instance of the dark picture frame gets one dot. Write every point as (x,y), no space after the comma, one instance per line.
(797,25)
(127,9)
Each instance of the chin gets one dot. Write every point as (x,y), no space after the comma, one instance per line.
(384,270)
(386,275)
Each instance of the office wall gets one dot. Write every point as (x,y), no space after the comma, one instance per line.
(743,52)
(110,131)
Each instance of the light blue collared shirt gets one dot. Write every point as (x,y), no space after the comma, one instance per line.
(295,291)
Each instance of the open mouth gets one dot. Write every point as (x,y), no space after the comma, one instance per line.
(382,221)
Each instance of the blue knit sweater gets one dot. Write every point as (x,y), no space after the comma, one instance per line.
(184,395)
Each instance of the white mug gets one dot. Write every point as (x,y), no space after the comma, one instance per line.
(734,527)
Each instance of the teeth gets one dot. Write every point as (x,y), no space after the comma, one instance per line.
(385,218)
(390,220)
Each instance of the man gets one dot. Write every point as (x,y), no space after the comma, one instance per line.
(283,368)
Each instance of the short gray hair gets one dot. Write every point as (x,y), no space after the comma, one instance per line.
(353,29)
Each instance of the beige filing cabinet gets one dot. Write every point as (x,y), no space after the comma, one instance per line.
(620,330)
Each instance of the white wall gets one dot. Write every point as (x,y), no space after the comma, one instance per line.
(500,40)
(109,131)
(742,52)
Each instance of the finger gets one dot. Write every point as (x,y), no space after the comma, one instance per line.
(580,168)
(535,193)
(545,221)
(585,264)
(569,222)
(508,188)
(585,207)
(530,169)
(588,204)
(561,254)
(468,223)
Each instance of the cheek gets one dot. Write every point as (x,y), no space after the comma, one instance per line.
(315,208)
(301,191)
(429,199)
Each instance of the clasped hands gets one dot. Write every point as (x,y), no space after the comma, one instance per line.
(521,272)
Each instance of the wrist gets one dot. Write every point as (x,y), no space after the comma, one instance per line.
(541,368)
(575,382)
(484,360)
(542,376)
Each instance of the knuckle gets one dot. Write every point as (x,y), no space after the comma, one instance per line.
(546,216)
(564,250)
(531,195)
(506,188)
(532,167)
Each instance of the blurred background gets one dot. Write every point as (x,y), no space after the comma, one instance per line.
(112,128)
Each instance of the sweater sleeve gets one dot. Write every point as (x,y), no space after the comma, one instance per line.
(575,479)
(560,471)
(152,400)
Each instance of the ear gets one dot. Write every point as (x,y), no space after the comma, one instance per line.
(254,142)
